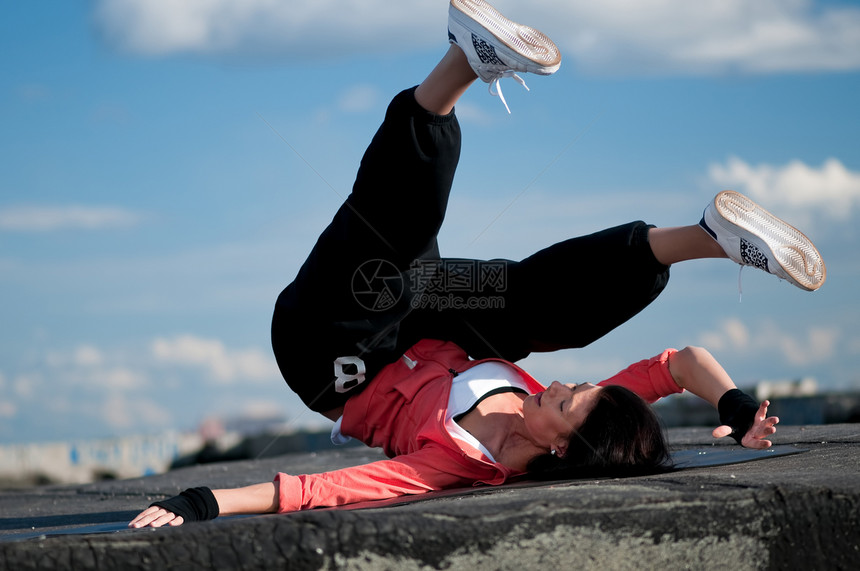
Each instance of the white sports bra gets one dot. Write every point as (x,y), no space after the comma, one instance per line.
(469,388)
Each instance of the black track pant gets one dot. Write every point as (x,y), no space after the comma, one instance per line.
(374,284)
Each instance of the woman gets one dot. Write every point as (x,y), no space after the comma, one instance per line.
(414,353)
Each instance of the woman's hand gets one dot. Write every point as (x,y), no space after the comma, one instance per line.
(201,504)
(155,516)
(762,427)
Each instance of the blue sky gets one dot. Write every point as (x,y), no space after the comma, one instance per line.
(167,166)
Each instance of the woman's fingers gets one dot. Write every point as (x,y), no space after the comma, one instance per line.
(754,442)
(174,520)
(143,517)
(155,516)
(762,427)
(762,410)
(722,431)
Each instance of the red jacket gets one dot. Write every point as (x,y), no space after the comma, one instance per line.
(403,410)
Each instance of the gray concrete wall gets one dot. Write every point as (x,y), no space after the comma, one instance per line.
(792,512)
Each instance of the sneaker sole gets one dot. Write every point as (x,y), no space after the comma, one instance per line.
(521,40)
(791,249)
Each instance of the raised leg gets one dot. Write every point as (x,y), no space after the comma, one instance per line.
(449,80)
(735,227)
(682,243)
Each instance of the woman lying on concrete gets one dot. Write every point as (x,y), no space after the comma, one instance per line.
(414,353)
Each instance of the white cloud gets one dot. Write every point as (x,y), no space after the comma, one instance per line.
(223,364)
(24,387)
(51,218)
(359,98)
(322,28)
(121,412)
(606,37)
(815,345)
(259,409)
(732,334)
(83,356)
(164,383)
(469,113)
(117,378)
(831,190)
(8,409)
(88,356)
(90,367)
(710,35)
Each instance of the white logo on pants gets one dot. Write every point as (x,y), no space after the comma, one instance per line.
(349,373)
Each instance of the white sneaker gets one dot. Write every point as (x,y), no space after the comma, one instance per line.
(752,236)
(497,47)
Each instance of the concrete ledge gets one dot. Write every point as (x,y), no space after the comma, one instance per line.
(798,511)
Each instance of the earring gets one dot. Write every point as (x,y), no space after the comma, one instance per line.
(553,452)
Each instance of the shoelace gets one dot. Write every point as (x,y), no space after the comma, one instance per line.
(740,286)
(496,87)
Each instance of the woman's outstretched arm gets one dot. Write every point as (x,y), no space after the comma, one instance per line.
(697,371)
(254,499)
(430,468)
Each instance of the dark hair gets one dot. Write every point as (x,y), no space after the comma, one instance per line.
(621,436)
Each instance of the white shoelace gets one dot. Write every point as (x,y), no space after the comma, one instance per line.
(496,88)
(740,286)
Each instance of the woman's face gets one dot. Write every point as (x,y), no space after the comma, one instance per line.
(551,416)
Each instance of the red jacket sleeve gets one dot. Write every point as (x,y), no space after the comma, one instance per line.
(649,378)
(422,471)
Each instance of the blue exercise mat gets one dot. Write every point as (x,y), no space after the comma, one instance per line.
(720,455)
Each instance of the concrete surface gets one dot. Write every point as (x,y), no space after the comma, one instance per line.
(799,511)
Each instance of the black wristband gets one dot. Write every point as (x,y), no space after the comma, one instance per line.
(194,504)
(737,410)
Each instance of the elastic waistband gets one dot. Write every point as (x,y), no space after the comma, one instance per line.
(641,241)
(404,103)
